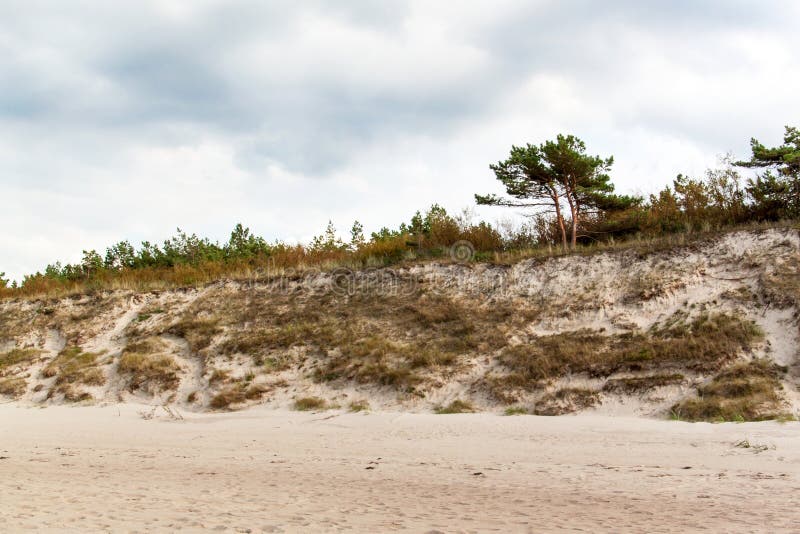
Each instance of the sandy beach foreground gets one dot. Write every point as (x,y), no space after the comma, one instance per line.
(110,469)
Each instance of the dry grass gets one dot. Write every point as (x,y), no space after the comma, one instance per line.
(198,332)
(457,406)
(14,357)
(237,393)
(359,406)
(13,387)
(701,345)
(76,319)
(638,384)
(151,372)
(388,340)
(374,360)
(781,287)
(72,366)
(219,376)
(310,403)
(567,400)
(743,392)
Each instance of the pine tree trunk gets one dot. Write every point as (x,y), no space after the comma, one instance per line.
(573,208)
(561,225)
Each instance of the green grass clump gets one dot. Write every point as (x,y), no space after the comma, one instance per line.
(516,410)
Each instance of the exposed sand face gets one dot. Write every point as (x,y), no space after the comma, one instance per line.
(263,470)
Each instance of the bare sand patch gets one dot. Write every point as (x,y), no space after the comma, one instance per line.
(108,468)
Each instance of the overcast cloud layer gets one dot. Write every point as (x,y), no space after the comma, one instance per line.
(123,120)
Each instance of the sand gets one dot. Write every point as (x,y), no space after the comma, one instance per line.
(263,470)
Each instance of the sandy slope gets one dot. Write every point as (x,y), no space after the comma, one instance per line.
(107,468)
(750,275)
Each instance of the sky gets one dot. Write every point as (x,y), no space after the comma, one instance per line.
(125,120)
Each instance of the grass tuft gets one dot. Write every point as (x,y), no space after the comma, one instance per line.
(638,384)
(73,368)
(16,357)
(567,400)
(743,392)
(149,371)
(13,387)
(359,406)
(306,404)
(457,406)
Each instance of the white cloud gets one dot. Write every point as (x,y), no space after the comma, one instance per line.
(125,120)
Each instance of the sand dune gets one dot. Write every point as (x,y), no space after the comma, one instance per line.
(107,468)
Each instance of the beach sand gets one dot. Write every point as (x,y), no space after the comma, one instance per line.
(261,470)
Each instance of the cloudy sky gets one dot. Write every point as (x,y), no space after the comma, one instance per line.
(123,120)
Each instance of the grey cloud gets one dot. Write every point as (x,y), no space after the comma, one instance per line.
(88,87)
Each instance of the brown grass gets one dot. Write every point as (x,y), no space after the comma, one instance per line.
(359,406)
(13,387)
(638,384)
(743,392)
(701,345)
(457,406)
(373,360)
(237,393)
(567,400)
(16,357)
(310,403)
(73,366)
(198,332)
(149,371)
(781,287)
